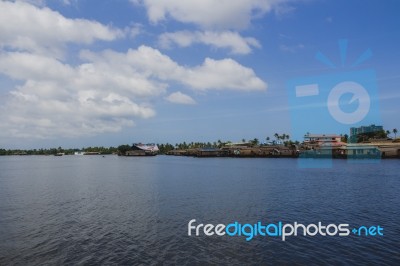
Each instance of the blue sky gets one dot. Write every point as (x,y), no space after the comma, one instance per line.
(102,73)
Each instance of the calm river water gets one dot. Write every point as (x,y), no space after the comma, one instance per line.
(92,210)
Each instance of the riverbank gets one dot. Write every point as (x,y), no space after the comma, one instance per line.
(370,150)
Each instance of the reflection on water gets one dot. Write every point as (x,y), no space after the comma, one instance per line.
(119,210)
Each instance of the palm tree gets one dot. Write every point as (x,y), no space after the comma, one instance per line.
(219,143)
(395,132)
(387,133)
(255,141)
(276,135)
(243,140)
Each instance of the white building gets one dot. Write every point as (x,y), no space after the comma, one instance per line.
(323,139)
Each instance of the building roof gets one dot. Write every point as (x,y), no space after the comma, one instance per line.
(146,147)
(322,136)
(237,144)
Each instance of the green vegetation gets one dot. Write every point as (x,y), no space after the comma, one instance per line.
(163,147)
(123,148)
(382,134)
(344,138)
(52,151)
(166,147)
(281,137)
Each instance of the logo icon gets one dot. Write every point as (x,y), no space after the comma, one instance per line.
(359,94)
(332,103)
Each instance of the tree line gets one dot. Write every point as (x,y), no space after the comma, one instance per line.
(381,134)
(163,147)
(166,147)
(284,139)
(53,151)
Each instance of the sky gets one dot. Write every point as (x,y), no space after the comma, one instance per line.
(78,73)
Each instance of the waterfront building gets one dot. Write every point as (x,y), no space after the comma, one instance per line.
(323,139)
(355,131)
(242,144)
(208,152)
(139,149)
(275,142)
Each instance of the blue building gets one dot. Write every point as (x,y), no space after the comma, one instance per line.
(354,131)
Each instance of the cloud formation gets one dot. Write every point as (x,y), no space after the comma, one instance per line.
(104,93)
(101,91)
(219,21)
(150,63)
(226,40)
(180,98)
(66,101)
(25,27)
(223,74)
(209,14)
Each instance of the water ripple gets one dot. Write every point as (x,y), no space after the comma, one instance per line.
(125,211)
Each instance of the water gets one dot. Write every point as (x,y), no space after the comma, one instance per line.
(117,210)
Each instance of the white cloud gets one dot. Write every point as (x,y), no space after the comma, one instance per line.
(22,65)
(223,74)
(180,98)
(67,101)
(209,14)
(106,92)
(25,27)
(135,30)
(225,39)
(34,2)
